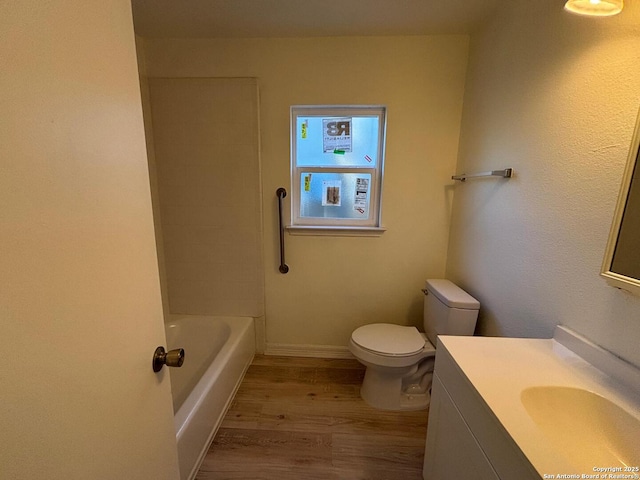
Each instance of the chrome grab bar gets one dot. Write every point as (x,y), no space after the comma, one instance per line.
(281,193)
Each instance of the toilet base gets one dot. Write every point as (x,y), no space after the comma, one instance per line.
(383,389)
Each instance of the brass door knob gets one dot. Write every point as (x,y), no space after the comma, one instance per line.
(172,358)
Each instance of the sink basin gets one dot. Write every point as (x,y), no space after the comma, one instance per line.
(586,428)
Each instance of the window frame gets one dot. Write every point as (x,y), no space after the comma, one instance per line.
(315,225)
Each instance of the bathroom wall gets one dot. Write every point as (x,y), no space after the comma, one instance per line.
(555,96)
(338,283)
(205,160)
(153,173)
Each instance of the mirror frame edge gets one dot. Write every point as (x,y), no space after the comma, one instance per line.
(615,279)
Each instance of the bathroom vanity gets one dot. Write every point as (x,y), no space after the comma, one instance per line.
(508,408)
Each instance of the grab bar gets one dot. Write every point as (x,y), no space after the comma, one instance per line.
(506,173)
(281,193)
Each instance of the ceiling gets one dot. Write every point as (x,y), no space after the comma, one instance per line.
(305,18)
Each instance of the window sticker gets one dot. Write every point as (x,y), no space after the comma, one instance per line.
(336,135)
(305,126)
(307,183)
(362,188)
(331,193)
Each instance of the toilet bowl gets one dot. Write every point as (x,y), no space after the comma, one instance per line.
(397,358)
(400,359)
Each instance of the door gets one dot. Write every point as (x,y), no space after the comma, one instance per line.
(80,306)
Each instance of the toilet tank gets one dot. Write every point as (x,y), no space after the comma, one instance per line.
(448,310)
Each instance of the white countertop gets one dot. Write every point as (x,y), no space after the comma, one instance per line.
(501,368)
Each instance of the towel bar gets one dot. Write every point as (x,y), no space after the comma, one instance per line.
(506,173)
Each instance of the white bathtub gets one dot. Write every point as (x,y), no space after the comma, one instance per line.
(218,351)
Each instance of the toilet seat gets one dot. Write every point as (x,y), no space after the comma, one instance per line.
(389,340)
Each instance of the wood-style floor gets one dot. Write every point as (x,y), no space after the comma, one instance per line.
(303,419)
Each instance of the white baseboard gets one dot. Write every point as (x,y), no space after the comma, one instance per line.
(316,351)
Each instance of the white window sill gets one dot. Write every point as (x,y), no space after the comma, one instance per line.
(335,231)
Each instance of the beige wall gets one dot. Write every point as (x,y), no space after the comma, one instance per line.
(554,96)
(153,173)
(338,283)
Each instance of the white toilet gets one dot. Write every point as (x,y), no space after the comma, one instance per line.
(400,359)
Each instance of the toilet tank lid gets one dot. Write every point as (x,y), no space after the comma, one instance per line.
(451,295)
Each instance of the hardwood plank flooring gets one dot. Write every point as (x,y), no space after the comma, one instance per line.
(303,418)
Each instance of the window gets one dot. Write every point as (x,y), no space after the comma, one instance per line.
(337,155)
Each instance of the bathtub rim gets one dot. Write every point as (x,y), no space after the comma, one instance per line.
(198,419)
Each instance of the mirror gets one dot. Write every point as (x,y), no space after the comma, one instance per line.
(621,266)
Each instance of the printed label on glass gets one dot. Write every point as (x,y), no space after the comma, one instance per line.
(336,135)
(331,193)
(362,188)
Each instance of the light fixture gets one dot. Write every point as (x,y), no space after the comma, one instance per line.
(594,8)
